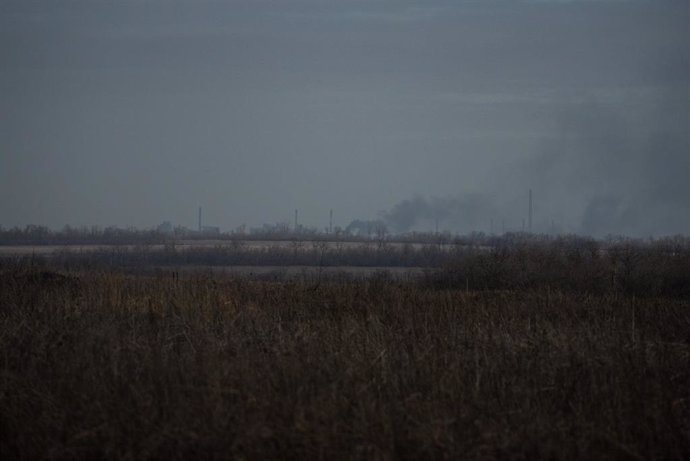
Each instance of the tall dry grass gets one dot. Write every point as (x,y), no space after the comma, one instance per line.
(108,365)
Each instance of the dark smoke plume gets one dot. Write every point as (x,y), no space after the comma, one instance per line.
(459,214)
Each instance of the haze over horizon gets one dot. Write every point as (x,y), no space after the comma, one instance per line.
(137,112)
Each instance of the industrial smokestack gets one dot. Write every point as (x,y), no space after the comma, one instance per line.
(529,217)
(330,222)
(199,219)
(295,220)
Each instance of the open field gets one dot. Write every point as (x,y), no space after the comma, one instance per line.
(254,257)
(184,245)
(530,353)
(304,273)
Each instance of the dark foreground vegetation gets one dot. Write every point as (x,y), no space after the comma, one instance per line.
(513,353)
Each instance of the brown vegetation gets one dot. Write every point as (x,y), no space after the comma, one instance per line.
(110,365)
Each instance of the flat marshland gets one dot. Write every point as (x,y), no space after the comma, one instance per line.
(522,353)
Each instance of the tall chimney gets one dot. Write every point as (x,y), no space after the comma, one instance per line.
(295,219)
(529,222)
(330,222)
(199,219)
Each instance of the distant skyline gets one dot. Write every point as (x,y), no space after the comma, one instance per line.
(138,112)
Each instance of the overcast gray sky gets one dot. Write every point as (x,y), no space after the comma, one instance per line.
(135,112)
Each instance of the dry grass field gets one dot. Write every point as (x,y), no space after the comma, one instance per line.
(493,357)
